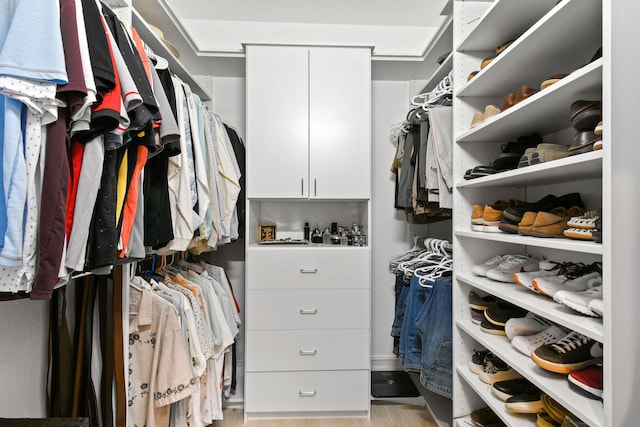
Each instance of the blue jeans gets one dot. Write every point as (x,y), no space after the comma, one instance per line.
(410,344)
(401,291)
(434,325)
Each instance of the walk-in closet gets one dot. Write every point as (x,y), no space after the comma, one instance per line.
(295,213)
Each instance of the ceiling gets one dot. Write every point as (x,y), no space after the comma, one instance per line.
(359,12)
(210,34)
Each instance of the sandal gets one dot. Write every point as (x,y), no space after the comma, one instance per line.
(579,233)
(585,221)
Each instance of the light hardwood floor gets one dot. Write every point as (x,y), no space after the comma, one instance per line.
(383,414)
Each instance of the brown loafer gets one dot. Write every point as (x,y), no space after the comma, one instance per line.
(583,142)
(523,93)
(585,115)
(503,46)
(525,226)
(553,224)
(508,101)
(472,75)
(486,62)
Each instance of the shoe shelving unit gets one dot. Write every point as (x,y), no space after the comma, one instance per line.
(549,39)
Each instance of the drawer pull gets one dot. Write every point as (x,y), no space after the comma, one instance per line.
(307,393)
(308,270)
(308,352)
(308,311)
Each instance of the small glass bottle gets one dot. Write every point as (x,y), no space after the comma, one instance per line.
(326,236)
(344,240)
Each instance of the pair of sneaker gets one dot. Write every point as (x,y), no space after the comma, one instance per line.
(588,302)
(571,353)
(490,368)
(553,277)
(519,395)
(502,267)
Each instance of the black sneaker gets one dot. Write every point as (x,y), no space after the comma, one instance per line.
(570,354)
(512,151)
(478,360)
(529,402)
(497,370)
(503,390)
(501,311)
(477,302)
(489,328)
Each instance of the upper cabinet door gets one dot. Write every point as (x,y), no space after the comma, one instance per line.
(340,123)
(277,122)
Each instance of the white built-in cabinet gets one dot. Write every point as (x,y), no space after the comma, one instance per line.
(550,37)
(307,307)
(308,111)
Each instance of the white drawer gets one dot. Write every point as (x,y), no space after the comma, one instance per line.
(307,350)
(307,391)
(308,268)
(313,309)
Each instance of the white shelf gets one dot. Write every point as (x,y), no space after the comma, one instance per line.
(555,385)
(504,20)
(159,48)
(497,405)
(539,304)
(545,112)
(552,243)
(572,168)
(537,54)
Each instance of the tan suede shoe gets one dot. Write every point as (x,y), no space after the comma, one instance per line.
(553,224)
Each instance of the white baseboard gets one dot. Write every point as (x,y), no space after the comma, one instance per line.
(385,363)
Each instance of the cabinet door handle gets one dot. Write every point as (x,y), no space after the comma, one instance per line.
(315,187)
(308,311)
(308,270)
(307,393)
(302,186)
(308,352)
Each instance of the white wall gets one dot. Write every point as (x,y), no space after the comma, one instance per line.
(389,230)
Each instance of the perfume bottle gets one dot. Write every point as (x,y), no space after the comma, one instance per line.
(316,236)
(344,240)
(326,236)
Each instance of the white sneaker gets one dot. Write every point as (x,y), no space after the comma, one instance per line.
(580,279)
(511,265)
(526,344)
(547,268)
(481,269)
(527,325)
(597,306)
(579,301)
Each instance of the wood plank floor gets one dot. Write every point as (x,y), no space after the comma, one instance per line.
(383,414)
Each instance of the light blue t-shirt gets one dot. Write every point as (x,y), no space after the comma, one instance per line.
(14,175)
(30,40)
